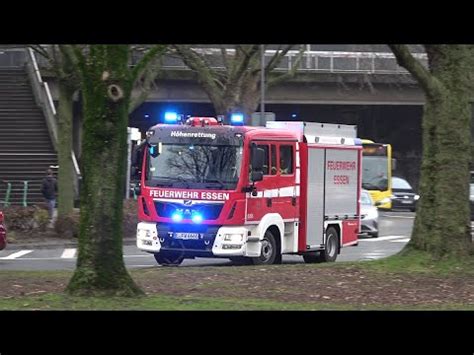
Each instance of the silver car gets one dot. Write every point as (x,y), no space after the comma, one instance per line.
(369,215)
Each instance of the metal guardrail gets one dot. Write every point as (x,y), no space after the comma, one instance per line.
(44,99)
(313,61)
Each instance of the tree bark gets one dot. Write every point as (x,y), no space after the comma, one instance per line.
(106,85)
(65,172)
(442,224)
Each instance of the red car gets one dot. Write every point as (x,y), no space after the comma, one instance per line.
(3,233)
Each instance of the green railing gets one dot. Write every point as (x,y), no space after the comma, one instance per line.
(6,201)
(25,193)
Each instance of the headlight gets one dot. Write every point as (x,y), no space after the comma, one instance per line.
(385,200)
(417,197)
(372,214)
(235,238)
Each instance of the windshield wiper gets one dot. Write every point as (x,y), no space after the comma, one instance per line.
(220,182)
(169,181)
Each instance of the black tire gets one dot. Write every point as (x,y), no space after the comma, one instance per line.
(331,246)
(312,258)
(375,235)
(413,209)
(168,259)
(269,254)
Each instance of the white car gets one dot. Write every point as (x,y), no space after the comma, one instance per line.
(369,215)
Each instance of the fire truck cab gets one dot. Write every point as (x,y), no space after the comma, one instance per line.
(250,194)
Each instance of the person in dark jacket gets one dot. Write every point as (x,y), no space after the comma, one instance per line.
(49,188)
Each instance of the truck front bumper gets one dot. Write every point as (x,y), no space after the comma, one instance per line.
(212,241)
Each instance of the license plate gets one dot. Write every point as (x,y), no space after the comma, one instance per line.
(407,202)
(187,236)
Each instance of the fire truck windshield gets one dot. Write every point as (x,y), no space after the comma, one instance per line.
(195,166)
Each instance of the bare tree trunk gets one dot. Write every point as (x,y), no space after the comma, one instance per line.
(106,91)
(65,173)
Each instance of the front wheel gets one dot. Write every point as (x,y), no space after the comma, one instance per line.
(168,259)
(269,253)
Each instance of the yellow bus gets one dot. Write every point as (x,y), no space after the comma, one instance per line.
(377,165)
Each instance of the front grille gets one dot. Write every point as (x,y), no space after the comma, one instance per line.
(198,247)
(209,211)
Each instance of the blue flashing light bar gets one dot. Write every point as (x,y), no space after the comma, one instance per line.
(237,118)
(171,117)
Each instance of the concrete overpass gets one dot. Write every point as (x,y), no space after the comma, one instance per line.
(323,77)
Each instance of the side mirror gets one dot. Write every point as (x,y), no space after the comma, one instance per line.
(137,161)
(257,175)
(394,164)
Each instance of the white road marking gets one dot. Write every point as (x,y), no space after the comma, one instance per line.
(68,253)
(379,239)
(394,216)
(400,240)
(16,255)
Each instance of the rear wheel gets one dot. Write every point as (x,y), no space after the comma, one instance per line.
(168,259)
(331,246)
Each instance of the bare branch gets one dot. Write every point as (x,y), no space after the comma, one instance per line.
(243,64)
(74,55)
(272,80)
(208,78)
(428,82)
(225,59)
(277,57)
(40,50)
(148,77)
(154,52)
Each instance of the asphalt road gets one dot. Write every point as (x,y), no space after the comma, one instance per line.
(395,230)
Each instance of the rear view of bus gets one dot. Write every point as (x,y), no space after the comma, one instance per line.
(377,172)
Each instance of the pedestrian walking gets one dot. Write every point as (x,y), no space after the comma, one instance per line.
(49,188)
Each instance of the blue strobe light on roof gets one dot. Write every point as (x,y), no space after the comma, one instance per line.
(171,117)
(237,118)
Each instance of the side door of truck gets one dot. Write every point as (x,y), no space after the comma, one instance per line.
(266,189)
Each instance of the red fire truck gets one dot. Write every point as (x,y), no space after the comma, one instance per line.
(249,194)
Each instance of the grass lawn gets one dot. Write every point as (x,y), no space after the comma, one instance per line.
(412,282)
